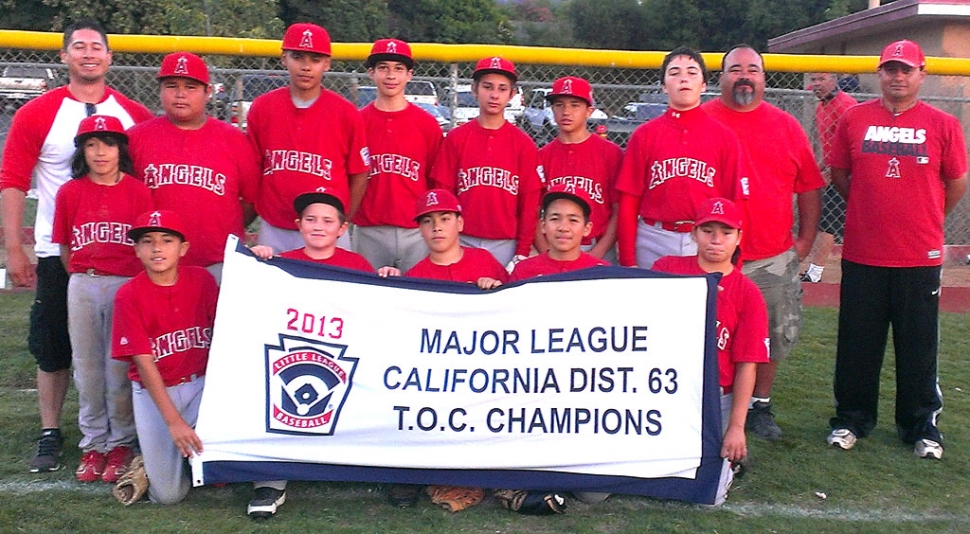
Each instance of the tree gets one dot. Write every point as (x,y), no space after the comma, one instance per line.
(448,21)
(223,18)
(539,23)
(345,20)
(615,24)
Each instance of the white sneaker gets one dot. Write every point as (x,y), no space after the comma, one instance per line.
(927,448)
(842,438)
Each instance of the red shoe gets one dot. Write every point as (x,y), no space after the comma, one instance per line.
(92,466)
(118,460)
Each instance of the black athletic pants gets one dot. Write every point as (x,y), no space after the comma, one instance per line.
(872,299)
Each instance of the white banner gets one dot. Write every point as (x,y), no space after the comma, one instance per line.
(606,380)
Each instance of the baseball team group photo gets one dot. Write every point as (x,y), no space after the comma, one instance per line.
(346,309)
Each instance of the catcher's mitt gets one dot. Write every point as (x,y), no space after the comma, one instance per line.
(455,498)
(531,503)
(133,485)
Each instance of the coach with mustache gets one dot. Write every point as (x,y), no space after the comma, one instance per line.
(781,164)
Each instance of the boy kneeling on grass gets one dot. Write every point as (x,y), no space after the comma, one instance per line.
(165,302)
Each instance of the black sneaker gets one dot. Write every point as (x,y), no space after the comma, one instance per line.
(761,422)
(404,495)
(48,455)
(264,503)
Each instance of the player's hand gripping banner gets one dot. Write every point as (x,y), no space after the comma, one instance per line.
(601,380)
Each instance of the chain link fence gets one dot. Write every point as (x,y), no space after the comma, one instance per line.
(626,97)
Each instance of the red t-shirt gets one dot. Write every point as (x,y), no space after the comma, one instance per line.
(340,258)
(827,115)
(172,323)
(301,149)
(403,146)
(780,164)
(474,264)
(94,220)
(543,264)
(201,175)
(742,316)
(592,166)
(495,175)
(894,214)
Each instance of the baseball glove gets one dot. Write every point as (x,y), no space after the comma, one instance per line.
(531,503)
(133,485)
(455,498)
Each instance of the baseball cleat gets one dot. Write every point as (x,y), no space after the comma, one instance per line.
(927,448)
(761,422)
(842,438)
(48,454)
(264,503)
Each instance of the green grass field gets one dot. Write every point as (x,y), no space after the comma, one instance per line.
(878,487)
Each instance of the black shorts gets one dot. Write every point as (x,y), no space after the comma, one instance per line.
(48,339)
(832,220)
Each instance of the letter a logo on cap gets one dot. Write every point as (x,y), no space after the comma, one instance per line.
(155,218)
(496,63)
(432,199)
(182,65)
(567,87)
(307,40)
(898,51)
(718,208)
(391,47)
(100,124)
(569,188)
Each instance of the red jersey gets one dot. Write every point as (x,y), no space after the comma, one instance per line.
(543,264)
(172,323)
(340,258)
(592,166)
(775,174)
(827,115)
(201,175)
(894,214)
(474,264)
(40,146)
(742,316)
(495,175)
(94,220)
(676,161)
(302,149)
(403,145)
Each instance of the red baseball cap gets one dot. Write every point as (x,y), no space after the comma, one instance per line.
(436,200)
(495,65)
(307,37)
(157,221)
(390,50)
(98,124)
(572,86)
(719,210)
(568,191)
(184,65)
(319,196)
(905,52)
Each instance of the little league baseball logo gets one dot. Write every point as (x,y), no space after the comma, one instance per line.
(307,383)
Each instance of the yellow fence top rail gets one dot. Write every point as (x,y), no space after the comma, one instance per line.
(447,53)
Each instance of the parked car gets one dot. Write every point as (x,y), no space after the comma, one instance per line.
(619,127)
(435,111)
(365,94)
(246,89)
(465,106)
(419,91)
(21,83)
(537,119)
(218,103)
